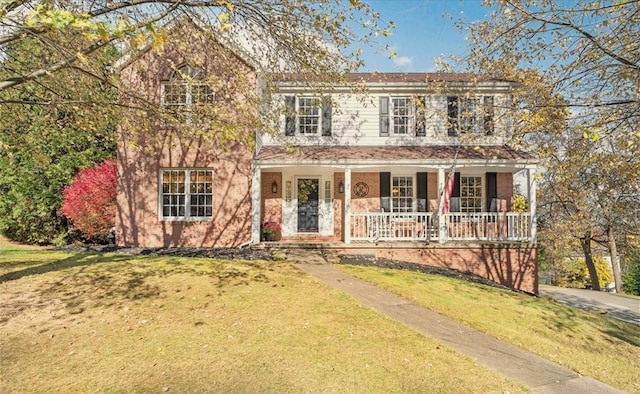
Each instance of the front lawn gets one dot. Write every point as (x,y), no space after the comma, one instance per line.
(588,342)
(81,322)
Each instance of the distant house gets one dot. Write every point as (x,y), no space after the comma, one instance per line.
(362,171)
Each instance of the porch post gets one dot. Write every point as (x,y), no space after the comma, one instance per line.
(256,185)
(531,182)
(442,227)
(347,205)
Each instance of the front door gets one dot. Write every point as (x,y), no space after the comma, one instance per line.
(308,205)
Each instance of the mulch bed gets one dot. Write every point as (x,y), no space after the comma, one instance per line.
(214,253)
(266,254)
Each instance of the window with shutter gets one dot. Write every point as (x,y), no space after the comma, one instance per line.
(308,115)
(470,115)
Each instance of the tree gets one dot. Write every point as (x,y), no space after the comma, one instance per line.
(42,146)
(90,200)
(314,37)
(588,53)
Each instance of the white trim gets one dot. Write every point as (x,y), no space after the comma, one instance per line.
(187,194)
(414,186)
(442,226)
(299,115)
(411,125)
(531,181)
(347,205)
(256,196)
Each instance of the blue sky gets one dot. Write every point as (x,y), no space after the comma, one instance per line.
(424,31)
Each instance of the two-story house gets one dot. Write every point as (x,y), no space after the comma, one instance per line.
(359,166)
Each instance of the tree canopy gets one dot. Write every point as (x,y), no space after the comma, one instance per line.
(581,111)
(50,128)
(312,36)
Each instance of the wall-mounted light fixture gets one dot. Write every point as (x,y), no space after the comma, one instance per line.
(341,187)
(274,187)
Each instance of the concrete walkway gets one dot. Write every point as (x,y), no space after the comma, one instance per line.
(516,364)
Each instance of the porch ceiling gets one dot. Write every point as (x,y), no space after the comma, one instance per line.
(372,155)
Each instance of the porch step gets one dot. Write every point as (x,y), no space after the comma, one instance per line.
(308,255)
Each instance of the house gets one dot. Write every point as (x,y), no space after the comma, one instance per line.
(362,171)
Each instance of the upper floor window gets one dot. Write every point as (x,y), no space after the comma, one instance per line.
(470,115)
(186,194)
(308,115)
(185,93)
(402,116)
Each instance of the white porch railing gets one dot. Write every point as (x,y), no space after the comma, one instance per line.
(423,226)
(385,226)
(488,226)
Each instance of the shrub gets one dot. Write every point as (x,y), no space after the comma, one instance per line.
(631,276)
(576,275)
(90,200)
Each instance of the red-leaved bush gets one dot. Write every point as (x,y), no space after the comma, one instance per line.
(90,200)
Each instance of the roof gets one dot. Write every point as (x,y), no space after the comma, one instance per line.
(364,154)
(394,77)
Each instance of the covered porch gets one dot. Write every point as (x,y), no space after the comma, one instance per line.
(393,194)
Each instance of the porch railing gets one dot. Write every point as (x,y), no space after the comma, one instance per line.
(456,226)
(386,226)
(488,226)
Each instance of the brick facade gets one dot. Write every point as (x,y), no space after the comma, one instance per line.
(514,266)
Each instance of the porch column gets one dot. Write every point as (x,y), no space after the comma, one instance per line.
(347,205)
(442,227)
(256,182)
(531,183)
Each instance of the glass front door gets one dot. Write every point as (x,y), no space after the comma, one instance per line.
(308,205)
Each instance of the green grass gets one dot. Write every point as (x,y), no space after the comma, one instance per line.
(81,322)
(588,342)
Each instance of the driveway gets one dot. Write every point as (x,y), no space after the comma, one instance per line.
(619,307)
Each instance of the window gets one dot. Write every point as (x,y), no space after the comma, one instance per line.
(402,193)
(328,196)
(402,116)
(185,93)
(186,194)
(470,115)
(307,115)
(470,194)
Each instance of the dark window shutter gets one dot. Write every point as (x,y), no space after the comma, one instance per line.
(421,117)
(456,186)
(452,115)
(290,115)
(455,194)
(422,192)
(492,191)
(326,116)
(384,116)
(488,115)
(385,191)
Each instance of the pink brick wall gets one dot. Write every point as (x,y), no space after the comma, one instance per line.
(145,146)
(505,187)
(514,266)
(271,208)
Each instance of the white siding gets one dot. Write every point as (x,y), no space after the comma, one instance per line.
(355,121)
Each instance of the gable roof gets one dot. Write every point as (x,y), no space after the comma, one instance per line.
(396,77)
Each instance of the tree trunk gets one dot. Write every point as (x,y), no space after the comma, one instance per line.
(615,261)
(588,258)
